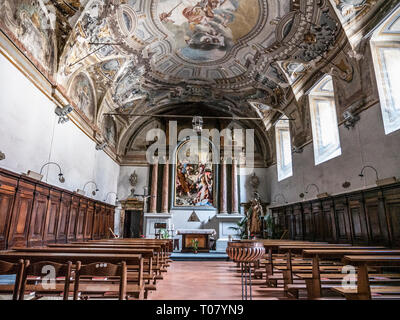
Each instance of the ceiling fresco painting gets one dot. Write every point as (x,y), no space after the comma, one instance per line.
(207,30)
(27,23)
(81,93)
(238,58)
(350,8)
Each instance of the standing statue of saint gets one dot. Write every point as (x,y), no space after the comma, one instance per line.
(254,215)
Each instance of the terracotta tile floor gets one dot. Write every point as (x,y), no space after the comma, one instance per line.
(207,280)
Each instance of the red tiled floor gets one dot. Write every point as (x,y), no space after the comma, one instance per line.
(208,280)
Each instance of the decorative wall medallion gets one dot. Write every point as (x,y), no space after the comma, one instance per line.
(133,180)
(254,181)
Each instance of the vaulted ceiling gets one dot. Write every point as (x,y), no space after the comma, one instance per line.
(116,59)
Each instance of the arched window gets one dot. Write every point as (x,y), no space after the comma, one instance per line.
(283,149)
(324,121)
(385,45)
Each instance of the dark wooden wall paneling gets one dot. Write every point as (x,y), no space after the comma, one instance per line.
(365,217)
(33,213)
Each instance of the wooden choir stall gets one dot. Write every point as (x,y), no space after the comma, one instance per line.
(33,213)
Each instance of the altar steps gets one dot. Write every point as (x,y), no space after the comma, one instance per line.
(201,256)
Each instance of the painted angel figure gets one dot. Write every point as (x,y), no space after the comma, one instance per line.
(348,7)
(204,187)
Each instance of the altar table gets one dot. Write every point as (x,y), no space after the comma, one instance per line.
(201,235)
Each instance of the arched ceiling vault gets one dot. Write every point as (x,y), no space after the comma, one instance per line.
(253,58)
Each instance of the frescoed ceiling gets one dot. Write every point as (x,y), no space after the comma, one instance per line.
(174,50)
(241,57)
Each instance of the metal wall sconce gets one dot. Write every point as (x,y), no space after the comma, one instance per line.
(312,185)
(144,196)
(63,113)
(379,182)
(297,149)
(2,156)
(361,175)
(319,195)
(279,195)
(116,196)
(101,146)
(350,119)
(60,175)
(83,192)
(39,176)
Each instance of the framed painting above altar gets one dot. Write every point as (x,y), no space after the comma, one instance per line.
(194,176)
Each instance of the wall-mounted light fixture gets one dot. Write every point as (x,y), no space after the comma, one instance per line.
(297,149)
(83,192)
(319,195)
(2,156)
(312,185)
(101,146)
(379,182)
(361,175)
(60,175)
(277,196)
(350,119)
(39,176)
(116,196)
(63,113)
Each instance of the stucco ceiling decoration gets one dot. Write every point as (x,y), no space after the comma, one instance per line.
(197,42)
(237,58)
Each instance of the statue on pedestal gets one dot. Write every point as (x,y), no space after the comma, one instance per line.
(254,214)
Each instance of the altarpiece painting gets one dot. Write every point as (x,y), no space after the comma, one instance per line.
(194,178)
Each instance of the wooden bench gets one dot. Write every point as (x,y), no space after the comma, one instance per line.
(148,273)
(298,248)
(314,283)
(364,290)
(307,266)
(159,263)
(136,288)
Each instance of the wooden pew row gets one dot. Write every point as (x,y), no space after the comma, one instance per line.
(272,246)
(298,248)
(165,244)
(134,289)
(148,255)
(150,269)
(160,261)
(158,264)
(158,248)
(364,290)
(304,266)
(272,249)
(316,278)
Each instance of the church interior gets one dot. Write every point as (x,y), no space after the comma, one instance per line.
(199,149)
